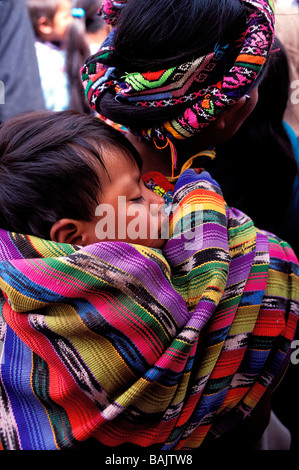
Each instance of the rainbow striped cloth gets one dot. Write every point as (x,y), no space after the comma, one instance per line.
(125,344)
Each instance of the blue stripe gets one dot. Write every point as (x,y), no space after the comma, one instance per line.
(35,432)
(253,361)
(152,96)
(95,322)
(16,279)
(209,404)
(252,298)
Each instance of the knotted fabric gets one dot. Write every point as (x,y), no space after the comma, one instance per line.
(125,344)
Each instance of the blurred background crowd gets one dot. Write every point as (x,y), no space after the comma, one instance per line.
(43,46)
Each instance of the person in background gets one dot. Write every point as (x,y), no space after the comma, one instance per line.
(51,19)
(19,75)
(96,28)
(287,31)
(85,36)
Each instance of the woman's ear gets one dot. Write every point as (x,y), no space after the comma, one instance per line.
(231,117)
(68,231)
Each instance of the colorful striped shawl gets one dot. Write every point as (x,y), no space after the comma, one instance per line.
(125,344)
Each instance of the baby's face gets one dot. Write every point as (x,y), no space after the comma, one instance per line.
(128,211)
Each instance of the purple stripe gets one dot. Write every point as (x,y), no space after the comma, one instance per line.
(127,258)
(8,249)
(214,236)
(201,315)
(239,268)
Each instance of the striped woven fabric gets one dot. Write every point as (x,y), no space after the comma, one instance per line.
(126,344)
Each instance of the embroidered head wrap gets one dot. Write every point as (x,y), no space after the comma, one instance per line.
(111,10)
(190,83)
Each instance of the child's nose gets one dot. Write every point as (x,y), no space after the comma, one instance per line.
(157,206)
(156,199)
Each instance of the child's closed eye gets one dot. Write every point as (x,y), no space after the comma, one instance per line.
(138,199)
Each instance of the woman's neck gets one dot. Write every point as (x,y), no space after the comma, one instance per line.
(153,159)
(159,159)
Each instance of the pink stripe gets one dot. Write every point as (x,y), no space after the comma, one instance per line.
(117,315)
(51,278)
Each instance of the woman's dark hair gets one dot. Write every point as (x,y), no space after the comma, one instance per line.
(162,33)
(77,49)
(49,168)
(153,35)
(256,168)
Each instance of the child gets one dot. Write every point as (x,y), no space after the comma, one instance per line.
(50,20)
(57,168)
(84,37)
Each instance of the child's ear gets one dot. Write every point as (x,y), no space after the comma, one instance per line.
(68,231)
(45,26)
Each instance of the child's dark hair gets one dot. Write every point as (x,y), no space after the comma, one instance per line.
(49,168)
(38,8)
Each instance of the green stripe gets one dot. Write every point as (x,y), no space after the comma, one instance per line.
(255,67)
(57,415)
(138,82)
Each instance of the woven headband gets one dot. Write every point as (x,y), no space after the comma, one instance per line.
(191,82)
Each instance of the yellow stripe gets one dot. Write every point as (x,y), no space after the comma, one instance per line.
(244,320)
(176,130)
(154,397)
(96,351)
(19,302)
